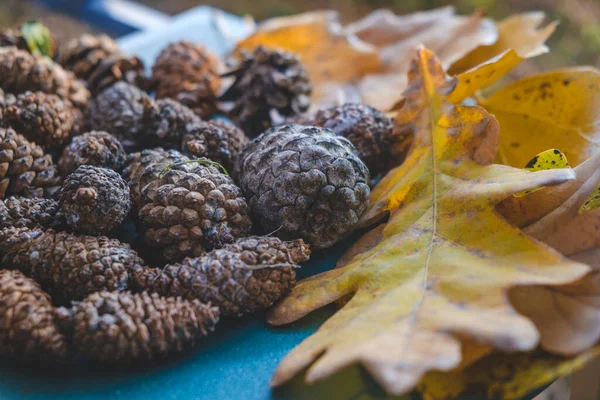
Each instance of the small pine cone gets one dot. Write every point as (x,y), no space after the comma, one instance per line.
(304,182)
(167,121)
(219,141)
(21,212)
(21,72)
(145,167)
(186,213)
(68,265)
(119,110)
(6,100)
(97,60)
(112,327)
(266,81)
(29,332)
(24,168)
(189,73)
(247,276)
(97,148)
(94,200)
(367,128)
(44,118)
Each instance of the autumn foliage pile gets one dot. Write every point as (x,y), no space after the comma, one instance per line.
(480,250)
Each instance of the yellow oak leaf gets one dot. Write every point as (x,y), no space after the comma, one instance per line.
(503,375)
(558,109)
(445,260)
(519,38)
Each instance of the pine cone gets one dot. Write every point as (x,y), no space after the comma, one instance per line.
(97,148)
(21,212)
(304,182)
(368,129)
(44,118)
(21,72)
(28,330)
(6,100)
(145,167)
(94,200)
(189,73)
(119,110)
(125,327)
(24,168)
(166,122)
(97,60)
(219,141)
(32,37)
(68,265)
(186,213)
(267,80)
(247,276)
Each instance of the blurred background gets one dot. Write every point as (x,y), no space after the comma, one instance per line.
(575,42)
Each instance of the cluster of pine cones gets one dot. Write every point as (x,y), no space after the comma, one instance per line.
(132,216)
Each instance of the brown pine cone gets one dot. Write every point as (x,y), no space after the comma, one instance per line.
(119,110)
(94,200)
(6,100)
(97,148)
(21,212)
(24,168)
(68,265)
(219,141)
(304,182)
(188,73)
(124,327)
(21,72)
(247,276)
(167,121)
(29,332)
(97,60)
(186,213)
(267,81)
(44,118)
(145,167)
(369,130)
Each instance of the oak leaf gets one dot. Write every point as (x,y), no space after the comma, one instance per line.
(552,110)
(445,261)
(519,38)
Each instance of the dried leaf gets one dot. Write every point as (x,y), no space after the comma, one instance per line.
(332,57)
(503,376)
(446,259)
(559,109)
(519,37)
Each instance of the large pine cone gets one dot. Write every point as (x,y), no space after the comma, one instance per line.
(94,200)
(189,73)
(68,265)
(125,327)
(304,182)
(21,212)
(21,72)
(119,110)
(186,213)
(266,81)
(369,130)
(247,276)
(28,329)
(167,121)
(24,168)
(97,60)
(44,118)
(146,166)
(219,141)
(97,148)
